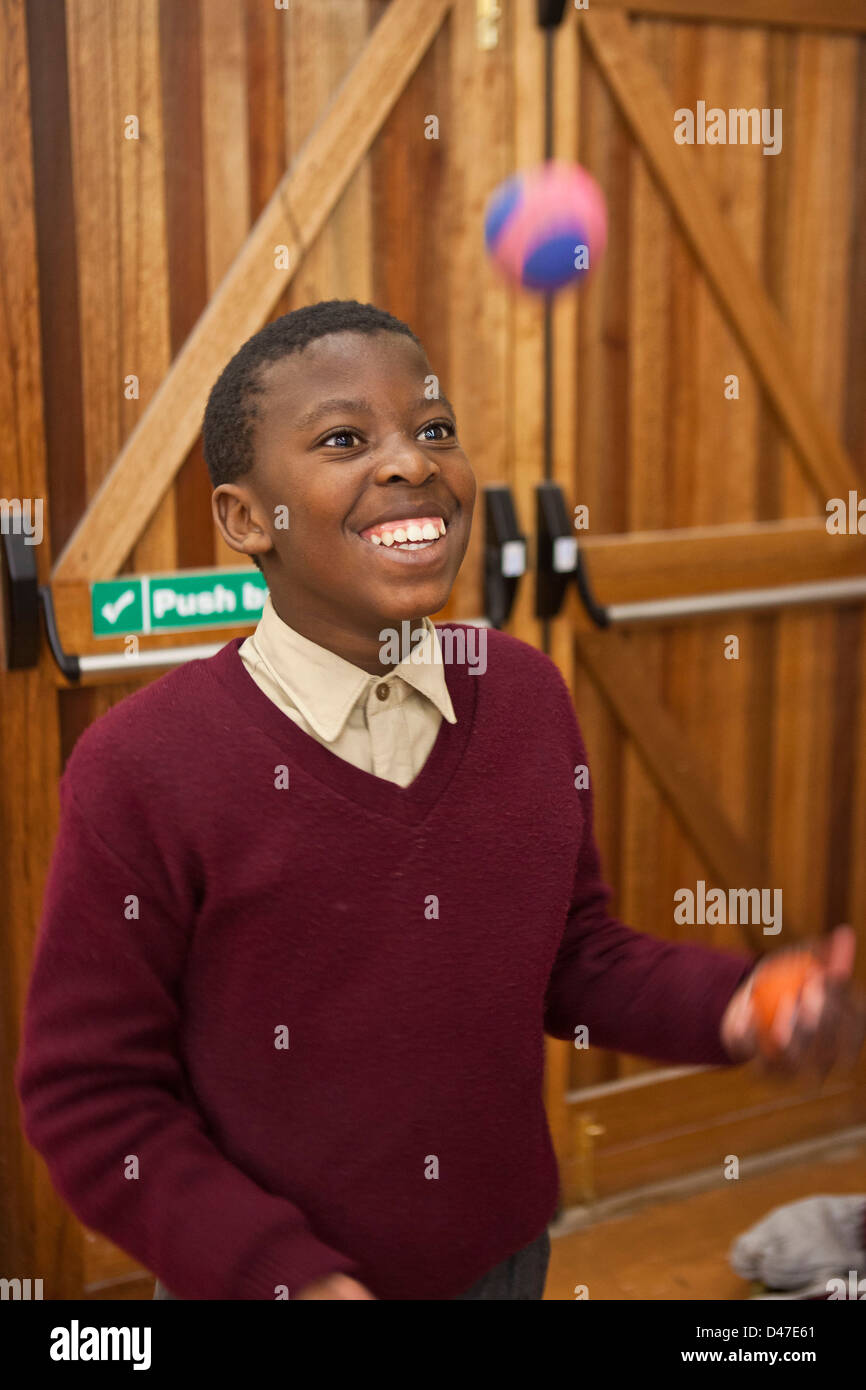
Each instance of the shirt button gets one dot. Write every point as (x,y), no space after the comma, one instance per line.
(382,692)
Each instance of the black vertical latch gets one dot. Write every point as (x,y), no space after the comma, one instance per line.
(504,555)
(556,550)
(20,600)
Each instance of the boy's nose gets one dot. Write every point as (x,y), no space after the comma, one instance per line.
(408,463)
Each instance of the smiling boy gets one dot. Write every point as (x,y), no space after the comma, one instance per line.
(310,913)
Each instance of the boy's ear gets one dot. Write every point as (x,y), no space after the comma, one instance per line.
(235,516)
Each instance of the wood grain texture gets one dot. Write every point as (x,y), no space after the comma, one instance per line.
(649,111)
(480,156)
(813,290)
(292,218)
(525,461)
(37,1237)
(181,79)
(58,267)
(675,769)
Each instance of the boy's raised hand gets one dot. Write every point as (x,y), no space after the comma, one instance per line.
(825,1026)
(336,1286)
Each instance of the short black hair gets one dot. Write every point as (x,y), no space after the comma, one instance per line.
(231,410)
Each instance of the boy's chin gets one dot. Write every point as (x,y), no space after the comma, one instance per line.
(409,602)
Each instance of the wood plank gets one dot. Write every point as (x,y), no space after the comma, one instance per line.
(856,831)
(855,366)
(121,228)
(142,238)
(836,200)
(226,163)
(855,373)
(716,458)
(814,288)
(528,425)
(649,111)
(97,149)
(266,101)
(293,217)
(409,210)
(37,1230)
(770,441)
(181,79)
(642,898)
(58,267)
(568,82)
(224,116)
(798,14)
(602,422)
(322,38)
(479,155)
(600,484)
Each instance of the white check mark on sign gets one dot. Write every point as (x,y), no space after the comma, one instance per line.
(112,611)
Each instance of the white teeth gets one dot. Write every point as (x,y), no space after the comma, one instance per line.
(413,536)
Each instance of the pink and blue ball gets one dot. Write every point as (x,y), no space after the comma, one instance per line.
(536,221)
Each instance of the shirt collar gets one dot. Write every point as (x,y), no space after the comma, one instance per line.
(325,688)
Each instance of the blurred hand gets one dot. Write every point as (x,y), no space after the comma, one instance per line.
(826,1026)
(335,1286)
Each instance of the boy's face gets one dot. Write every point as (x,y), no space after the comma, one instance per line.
(346,438)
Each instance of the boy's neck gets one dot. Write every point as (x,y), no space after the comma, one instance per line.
(362,649)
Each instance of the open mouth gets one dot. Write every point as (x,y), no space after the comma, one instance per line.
(408,534)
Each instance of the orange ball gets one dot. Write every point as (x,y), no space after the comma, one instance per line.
(779,982)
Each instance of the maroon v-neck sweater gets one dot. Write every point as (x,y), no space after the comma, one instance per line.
(275,1031)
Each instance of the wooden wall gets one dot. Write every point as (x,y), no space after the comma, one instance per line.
(131,238)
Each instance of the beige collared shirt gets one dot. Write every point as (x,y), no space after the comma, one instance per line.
(386,725)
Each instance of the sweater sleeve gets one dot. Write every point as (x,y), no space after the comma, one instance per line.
(104,1096)
(634,992)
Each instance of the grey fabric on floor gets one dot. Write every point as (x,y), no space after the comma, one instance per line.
(803,1242)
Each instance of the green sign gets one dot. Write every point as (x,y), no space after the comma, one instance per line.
(177,602)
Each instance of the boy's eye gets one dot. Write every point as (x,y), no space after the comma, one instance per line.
(440,425)
(340,434)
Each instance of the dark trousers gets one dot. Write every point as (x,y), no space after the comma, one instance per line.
(521,1276)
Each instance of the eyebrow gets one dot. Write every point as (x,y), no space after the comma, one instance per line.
(361,407)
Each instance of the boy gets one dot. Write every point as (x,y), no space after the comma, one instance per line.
(310,911)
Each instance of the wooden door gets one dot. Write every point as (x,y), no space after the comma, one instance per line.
(724,265)
(305,130)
